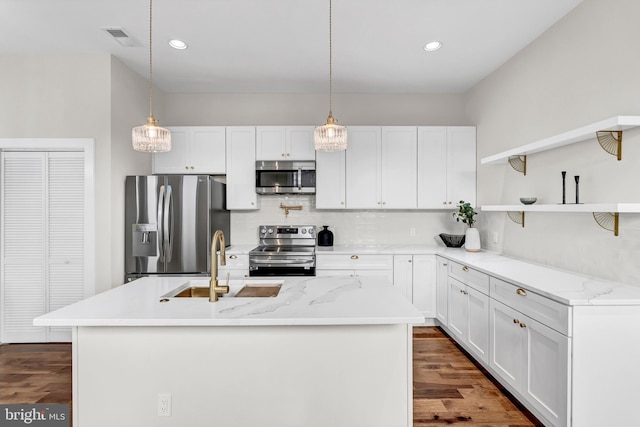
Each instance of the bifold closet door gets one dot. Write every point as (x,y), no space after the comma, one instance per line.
(42,249)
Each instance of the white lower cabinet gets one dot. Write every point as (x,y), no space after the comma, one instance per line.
(442,298)
(533,359)
(355,265)
(237,265)
(414,275)
(469,318)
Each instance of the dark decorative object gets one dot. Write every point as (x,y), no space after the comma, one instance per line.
(452,240)
(325,237)
(564,188)
(577,178)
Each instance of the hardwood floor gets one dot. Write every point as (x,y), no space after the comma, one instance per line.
(448,388)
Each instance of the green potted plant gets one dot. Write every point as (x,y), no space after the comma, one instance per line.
(466,214)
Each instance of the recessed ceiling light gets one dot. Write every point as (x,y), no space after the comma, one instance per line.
(178,44)
(432,46)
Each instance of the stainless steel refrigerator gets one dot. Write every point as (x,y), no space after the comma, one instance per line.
(169,222)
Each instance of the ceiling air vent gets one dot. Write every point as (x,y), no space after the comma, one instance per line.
(121,36)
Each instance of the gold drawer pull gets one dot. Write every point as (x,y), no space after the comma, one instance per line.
(516,321)
(465,268)
(521,291)
(233,256)
(355,257)
(522,325)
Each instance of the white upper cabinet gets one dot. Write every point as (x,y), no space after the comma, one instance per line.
(241,168)
(362,167)
(194,150)
(285,143)
(446,166)
(330,180)
(381,169)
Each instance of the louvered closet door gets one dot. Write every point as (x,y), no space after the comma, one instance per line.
(42,241)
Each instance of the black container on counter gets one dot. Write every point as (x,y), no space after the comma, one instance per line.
(325,237)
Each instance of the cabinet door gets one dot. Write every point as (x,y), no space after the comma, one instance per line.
(424,286)
(507,353)
(432,167)
(208,150)
(478,327)
(362,166)
(241,168)
(546,371)
(270,143)
(330,180)
(458,309)
(461,164)
(300,143)
(176,160)
(398,167)
(442,291)
(403,274)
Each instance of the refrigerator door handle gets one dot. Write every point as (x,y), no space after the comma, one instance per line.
(161,197)
(167,227)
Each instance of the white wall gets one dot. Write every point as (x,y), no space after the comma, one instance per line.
(582,70)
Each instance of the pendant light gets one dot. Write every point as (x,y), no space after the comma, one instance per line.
(331,136)
(151,138)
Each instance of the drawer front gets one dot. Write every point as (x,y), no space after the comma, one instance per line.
(236,262)
(474,278)
(548,312)
(354,261)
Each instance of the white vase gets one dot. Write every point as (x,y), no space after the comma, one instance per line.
(472,240)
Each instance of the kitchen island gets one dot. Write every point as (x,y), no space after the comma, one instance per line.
(325,351)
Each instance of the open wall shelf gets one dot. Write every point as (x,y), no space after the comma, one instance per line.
(607,132)
(605,214)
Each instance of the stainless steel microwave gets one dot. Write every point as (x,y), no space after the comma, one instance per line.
(288,177)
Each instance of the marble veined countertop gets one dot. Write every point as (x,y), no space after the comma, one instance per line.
(356,249)
(334,300)
(560,285)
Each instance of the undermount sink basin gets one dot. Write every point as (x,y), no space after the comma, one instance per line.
(247,289)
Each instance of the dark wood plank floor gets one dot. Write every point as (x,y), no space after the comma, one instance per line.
(448,388)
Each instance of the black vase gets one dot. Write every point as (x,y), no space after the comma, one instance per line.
(325,237)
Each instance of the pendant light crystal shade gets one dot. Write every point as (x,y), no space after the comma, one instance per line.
(151,138)
(330,137)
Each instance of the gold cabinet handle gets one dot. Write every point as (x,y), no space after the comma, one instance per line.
(465,268)
(233,256)
(444,264)
(522,325)
(521,291)
(355,257)
(516,321)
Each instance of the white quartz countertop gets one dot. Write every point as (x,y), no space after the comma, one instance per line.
(335,300)
(355,249)
(560,285)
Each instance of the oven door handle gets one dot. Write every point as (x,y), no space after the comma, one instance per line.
(281,261)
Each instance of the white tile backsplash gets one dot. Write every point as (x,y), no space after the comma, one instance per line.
(350,227)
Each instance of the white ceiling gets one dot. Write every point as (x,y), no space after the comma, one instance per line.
(282,46)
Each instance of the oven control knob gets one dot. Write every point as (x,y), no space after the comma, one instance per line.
(304,231)
(310,231)
(263,231)
(270,230)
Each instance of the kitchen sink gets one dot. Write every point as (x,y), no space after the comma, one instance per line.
(237,289)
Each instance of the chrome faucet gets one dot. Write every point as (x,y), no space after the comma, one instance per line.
(214,289)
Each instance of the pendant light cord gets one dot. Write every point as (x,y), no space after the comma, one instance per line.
(330,58)
(150,59)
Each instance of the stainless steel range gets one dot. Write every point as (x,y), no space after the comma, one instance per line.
(285,250)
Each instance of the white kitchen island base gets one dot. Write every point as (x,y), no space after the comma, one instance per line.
(244,376)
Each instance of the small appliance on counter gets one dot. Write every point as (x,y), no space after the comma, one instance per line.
(325,236)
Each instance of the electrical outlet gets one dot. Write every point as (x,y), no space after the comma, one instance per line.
(164,404)
(413,232)
(495,237)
